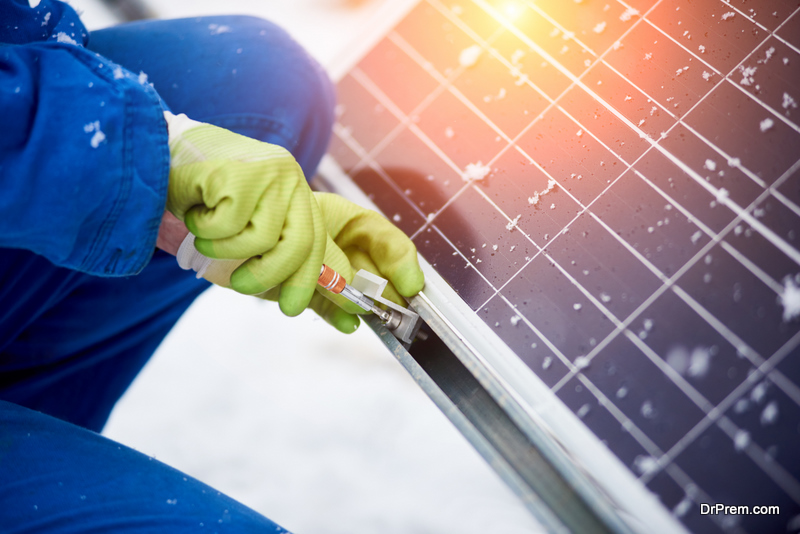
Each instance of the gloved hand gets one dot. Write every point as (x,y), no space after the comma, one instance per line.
(246,199)
(362,239)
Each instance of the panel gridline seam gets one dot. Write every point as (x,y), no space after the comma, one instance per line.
(404,122)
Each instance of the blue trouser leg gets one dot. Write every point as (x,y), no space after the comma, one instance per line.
(57,477)
(70,344)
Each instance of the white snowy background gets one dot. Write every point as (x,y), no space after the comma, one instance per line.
(323,433)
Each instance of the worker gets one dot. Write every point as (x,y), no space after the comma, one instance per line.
(111,143)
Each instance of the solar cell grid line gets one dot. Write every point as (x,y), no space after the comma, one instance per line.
(773,111)
(704,404)
(527,80)
(785,385)
(691,489)
(719,325)
(365,160)
(384,100)
(569,364)
(717,149)
(396,38)
(770,109)
(701,60)
(555,23)
(597,303)
(733,397)
(694,493)
(631,428)
(716,239)
(693,54)
(486,44)
(633,251)
(752,267)
(749,173)
(751,19)
(641,437)
(746,350)
(715,236)
(736,340)
(441,80)
(668,283)
(595,95)
(463,257)
(495,158)
(787,481)
(368,84)
(776,61)
(698,57)
(342,133)
(406,122)
(499,155)
(670,372)
(621,327)
(785,201)
(727,157)
(492,161)
(764,370)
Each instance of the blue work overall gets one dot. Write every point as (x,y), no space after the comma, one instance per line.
(85,298)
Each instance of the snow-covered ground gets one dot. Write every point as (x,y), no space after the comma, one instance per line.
(322,432)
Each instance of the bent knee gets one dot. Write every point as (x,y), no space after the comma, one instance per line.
(282,86)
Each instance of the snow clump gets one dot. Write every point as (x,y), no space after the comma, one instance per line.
(216,29)
(469,56)
(645,464)
(62,37)
(790,299)
(475,171)
(98,136)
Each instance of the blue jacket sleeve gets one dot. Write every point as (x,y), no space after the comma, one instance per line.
(84,160)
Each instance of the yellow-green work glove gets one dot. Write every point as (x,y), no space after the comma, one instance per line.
(369,242)
(246,199)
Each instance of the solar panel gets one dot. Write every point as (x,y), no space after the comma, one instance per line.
(614,189)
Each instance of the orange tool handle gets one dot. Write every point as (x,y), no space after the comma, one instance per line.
(331,280)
